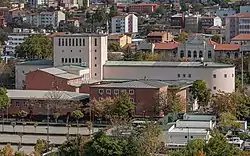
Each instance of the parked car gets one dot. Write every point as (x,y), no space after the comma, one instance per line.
(247,144)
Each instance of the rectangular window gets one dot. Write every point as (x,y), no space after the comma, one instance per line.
(179,75)
(116,91)
(80,42)
(184,75)
(225,75)
(73,60)
(83,42)
(76,60)
(62,60)
(189,75)
(69,60)
(214,75)
(108,91)
(132,100)
(131,91)
(95,42)
(100,91)
(80,60)
(76,42)
(59,42)
(66,42)
(70,42)
(73,42)
(62,42)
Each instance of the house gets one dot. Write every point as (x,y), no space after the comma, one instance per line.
(120,39)
(141,92)
(159,36)
(223,51)
(64,24)
(124,24)
(143,8)
(166,50)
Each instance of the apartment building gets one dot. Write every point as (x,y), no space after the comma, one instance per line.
(159,36)
(208,21)
(237,24)
(224,12)
(37,3)
(192,23)
(178,21)
(46,18)
(124,24)
(87,50)
(142,8)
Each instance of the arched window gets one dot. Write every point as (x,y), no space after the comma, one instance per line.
(182,54)
(209,54)
(236,55)
(189,54)
(200,54)
(195,54)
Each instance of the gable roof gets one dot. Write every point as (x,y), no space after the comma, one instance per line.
(166,46)
(227,47)
(241,37)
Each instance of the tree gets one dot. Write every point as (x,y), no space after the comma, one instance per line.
(182,37)
(41,146)
(56,116)
(4,103)
(200,92)
(35,47)
(22,114)
(77,114)
(20,153)
(216,38)
(227,121)
(7,150)
(114,47)
(122,106)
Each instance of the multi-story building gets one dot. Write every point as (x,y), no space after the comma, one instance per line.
(224,12)
(120,39)
(37,3)
(88,50)
(46,18)
(237,24)
(177,21)
(125,24)
(245,9)
(208,21)
(192,23)
(159,36)
(143,8)
(64,24)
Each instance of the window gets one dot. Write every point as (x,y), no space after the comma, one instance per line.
(71,51)
(189,75)
(100,91)
(59,42)
(66,60)
(62,60)
(123,91)
(76,42)
(200,54)
(209,54)
(63,51)
(225,75)
(214,87)
(69,60)
(214,75)
(95,50)
(108,91)
(232,75)
(95,58)
(80,60)
(182,54)
(116,91)
(73,60)
(132,100)
(131,92)
(76,60)
(66,42)
(83,42)
(179,75)
(95,42)
(191,137)
(80,51)
(195,54)
(95,65)
(186,137)
(95,74)
(70,42)
(80,42)
(73,42)
(184,75)
(62,42)
(189,54)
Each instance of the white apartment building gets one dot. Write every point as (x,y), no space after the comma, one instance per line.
(125,24)
(46,18)
(89,50)
(37,3)
(17,38)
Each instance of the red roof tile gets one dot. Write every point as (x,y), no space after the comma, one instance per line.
(227,47)
(241,37)
(241,15)
(55,34)
(114,36)
(166,46)
(215,28)
(212,42)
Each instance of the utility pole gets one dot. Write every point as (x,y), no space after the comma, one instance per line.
(242,66)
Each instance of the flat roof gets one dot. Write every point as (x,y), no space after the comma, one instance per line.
(81,35)
(167,64)
(45,95)
(37,62)
(189,130)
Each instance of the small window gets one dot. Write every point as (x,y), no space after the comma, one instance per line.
(95,58)
(80,60)
(63,51)
(76,42)
(95,41)
(62,60)
(214,88)
(186,137)
(70,42)
(132,100)
(83,42)
(66,42)
(108,91)
(225,75)
(191,137)
(189,75)
(71,51)
(123,91)
(232,75)
(80,51)
(69,60)
(131,91)
(95,74)
(95,50)
(95,65)
(80,42)
(73,60)
(116,91)
(214,75)
(73,42)
(184,75)
(62,42)
(179,75)
(66,60)
(59,44)
(100,91)
(76,60)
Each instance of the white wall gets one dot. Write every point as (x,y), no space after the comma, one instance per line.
(194,124)
(217,21)
(181,138)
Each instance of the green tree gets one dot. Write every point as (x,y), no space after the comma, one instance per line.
(4,103)
(114,47)
(35,47)
(22,114)
(41,146)
(19,153)
(122,106)
(7,151)
(56,116)
(182,37)
(77,114)
(113,12)
(227,121)
(216,38)
(200,92)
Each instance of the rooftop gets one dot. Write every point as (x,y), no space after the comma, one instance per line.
(166,46)
(44,95)
(81,35)
(241,37)
(37,62)
(55,34)
(241,15)
(115,36)
(156,33)
(189,130)
(167,64)
(227,47)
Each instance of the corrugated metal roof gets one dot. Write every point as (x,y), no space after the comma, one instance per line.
(53,71)
(68,76)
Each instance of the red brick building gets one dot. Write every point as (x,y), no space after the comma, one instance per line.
(143,8)
(141,92)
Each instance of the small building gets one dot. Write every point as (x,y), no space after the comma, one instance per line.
(121,39)
(223,51)
(159,36)
(208,21)
(178,21)
(141,92)
(167,50)
(143,8)
(241,39)
(36,102)
(64,24)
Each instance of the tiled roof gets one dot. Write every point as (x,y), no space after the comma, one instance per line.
(241,37)
(167,46)
(241,15)
(212,42)
(55,34)
(46,13)
(115,36)
(166,64)
(227,47)
(215,28)
(156,33)
(43,95)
